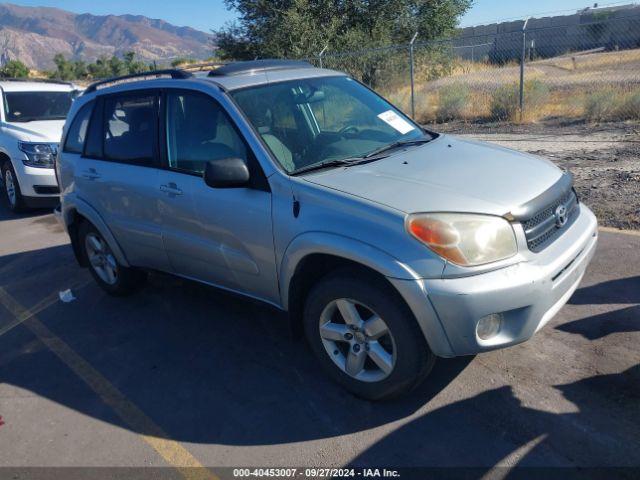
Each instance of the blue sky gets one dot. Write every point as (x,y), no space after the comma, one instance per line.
(488,11)
(207,14)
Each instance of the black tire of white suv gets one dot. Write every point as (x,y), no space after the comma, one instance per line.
(389,352)
(111,275)
(11,188)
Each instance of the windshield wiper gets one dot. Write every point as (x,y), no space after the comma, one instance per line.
(398,144)
(327,164)
(369,157)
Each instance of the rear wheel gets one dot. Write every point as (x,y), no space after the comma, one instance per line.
(365,337)
(113,277)
(11,188)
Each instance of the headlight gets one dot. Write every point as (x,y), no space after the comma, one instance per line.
(464,239)
(39,155)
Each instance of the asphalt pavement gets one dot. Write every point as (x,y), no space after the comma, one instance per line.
(183,375)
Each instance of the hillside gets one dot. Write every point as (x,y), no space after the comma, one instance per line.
(35,34)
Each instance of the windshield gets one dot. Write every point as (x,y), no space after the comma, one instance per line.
(312,121)
(34,106)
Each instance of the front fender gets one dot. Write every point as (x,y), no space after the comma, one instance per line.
(339,246)
(78,205)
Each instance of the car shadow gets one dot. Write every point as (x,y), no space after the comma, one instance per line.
(211,368)
(7,214)
(513,434)
(208,366)
(598,326)
(619,291)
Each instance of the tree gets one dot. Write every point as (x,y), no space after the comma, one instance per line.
(103,67)
(182,61)
(132,65)
(69,69)
(64,68)
(100,68)
(295,28)
(14,69)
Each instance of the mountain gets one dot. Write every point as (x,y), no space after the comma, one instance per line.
(35,34)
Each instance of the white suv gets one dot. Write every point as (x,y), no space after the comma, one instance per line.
(31,121)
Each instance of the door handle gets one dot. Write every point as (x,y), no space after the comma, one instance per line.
(172,189)
(90,174)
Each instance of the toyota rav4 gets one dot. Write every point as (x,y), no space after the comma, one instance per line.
(388,245)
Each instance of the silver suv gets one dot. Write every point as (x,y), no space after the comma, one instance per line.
(387,244)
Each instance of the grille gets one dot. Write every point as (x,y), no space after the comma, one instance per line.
(543,228)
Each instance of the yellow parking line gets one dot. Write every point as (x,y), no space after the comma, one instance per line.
(633,233)
(171,451)
(43,304)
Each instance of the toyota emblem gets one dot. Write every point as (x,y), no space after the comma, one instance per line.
(561,216)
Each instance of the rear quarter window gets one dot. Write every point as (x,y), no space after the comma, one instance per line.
(77,134)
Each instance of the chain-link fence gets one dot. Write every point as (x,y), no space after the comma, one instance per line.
(578,67)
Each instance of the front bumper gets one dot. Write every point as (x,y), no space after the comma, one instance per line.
(36,182)
(527,295)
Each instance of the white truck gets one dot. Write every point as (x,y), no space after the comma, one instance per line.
(31,120)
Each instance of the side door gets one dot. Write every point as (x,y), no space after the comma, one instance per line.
(221,236)
(118,174)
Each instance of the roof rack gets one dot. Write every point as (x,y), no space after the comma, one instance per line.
(175,74)
(256,66)
(37,80)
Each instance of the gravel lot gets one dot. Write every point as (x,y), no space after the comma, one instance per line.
(604,159)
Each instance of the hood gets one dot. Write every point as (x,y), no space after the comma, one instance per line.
(447,174)
(48,131)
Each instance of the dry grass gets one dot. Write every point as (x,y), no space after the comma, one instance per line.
(465,67)
(597,105)
(594,61)
(595,87)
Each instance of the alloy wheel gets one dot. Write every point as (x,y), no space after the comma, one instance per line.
(358,340)
(101,259)
(10,187)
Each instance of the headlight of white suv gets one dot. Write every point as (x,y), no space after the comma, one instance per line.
(40,155)
(463,238)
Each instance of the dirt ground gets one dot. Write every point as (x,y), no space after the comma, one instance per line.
(604,159)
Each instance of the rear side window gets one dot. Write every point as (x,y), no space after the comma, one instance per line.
(198,130)
(78,130)
(130,128)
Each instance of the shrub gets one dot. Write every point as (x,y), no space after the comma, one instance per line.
(452,102)
(602,105)
(629,108)
(14,69)
(505,103)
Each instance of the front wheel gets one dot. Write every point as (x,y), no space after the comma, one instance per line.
(113,277)
(365,336)
(12,188)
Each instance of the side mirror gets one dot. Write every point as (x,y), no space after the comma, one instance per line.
(226,173)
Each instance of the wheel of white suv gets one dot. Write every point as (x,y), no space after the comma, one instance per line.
(113,277)
(365,336)
(12,188)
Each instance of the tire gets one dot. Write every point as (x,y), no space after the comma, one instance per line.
(113,278)
(394,371)
(11,188)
